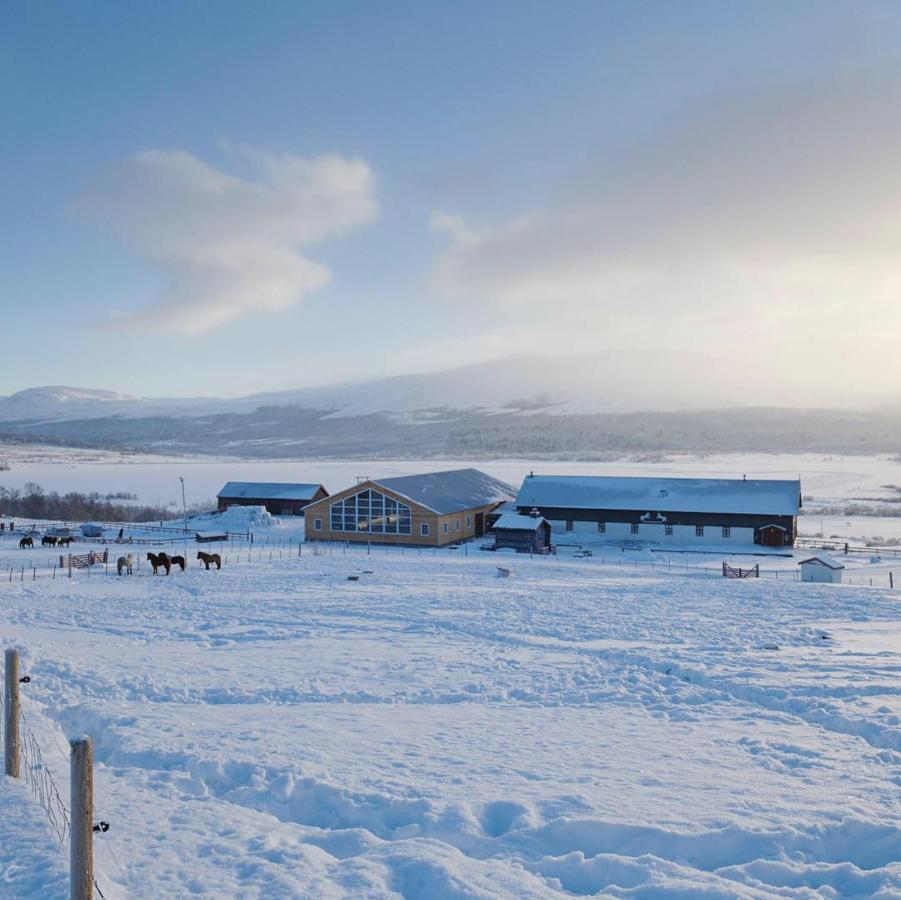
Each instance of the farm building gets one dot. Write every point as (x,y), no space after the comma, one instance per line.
(821,568)
(279,499)
(524,534)
(433,509)
(666,510)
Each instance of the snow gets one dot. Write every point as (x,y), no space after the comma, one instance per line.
(686,495)
(234,518)
(448,492)
(432,731)
(257,490)
(823,559)
(529,523)
(32,863)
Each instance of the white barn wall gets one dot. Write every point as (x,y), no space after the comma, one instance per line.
(650,532)
(820,574)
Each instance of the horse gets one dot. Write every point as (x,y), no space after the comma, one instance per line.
(165,561)
(48,540)
(125,562)
(26,542)
(207,558)
(158,560)
(179,561)
(64,541)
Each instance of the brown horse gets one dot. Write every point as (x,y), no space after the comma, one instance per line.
(207,558)
(159,560)
(64,542)
(180,562)
(26,542)
(48,540)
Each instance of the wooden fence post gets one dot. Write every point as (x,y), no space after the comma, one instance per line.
(11,710)
(81,850)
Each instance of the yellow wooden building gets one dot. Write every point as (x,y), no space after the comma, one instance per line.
(431,510)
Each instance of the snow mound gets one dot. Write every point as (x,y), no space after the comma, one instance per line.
(235,518)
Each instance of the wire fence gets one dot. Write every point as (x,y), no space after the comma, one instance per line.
(43,787)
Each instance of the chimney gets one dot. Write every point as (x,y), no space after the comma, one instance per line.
(534,513)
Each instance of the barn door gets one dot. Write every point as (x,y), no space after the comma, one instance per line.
(480,525)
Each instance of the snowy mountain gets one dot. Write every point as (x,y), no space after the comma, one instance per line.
(584,407)
(581,384)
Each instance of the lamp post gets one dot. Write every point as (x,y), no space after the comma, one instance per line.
(184,507)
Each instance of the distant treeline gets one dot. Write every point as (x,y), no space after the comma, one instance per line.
(33,502)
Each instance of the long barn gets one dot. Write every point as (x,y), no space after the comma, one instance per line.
(279,498)
(666,510)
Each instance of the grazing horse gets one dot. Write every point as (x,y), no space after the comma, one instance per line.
(64,541)
(207,558)
(179,561)
(159,560)
(26,542)
(48,540)
(125,562)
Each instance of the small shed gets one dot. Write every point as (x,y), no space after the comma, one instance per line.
(821,568)
(524,534)
(210,537)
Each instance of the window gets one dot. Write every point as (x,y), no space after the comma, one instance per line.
(371,512)
(668,530)
(633,528)
(444,527)
(456,524)
(469,521)
(424,529)
(317,524)
(569,524)
(699,531)
(727,531)
(602,527)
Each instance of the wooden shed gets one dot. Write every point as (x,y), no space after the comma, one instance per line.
(524,534)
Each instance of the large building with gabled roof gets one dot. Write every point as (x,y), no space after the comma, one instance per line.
(432,509)
(666,510)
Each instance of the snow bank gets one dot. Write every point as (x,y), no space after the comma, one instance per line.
(235,518)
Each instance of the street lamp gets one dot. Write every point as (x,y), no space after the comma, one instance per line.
(184,507)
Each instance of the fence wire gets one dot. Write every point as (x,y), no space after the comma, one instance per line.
(43,786)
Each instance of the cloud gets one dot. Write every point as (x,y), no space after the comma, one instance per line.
(769,222)
(227,245)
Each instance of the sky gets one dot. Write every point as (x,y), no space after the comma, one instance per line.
(221,198)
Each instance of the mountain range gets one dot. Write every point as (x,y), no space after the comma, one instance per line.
(586,406)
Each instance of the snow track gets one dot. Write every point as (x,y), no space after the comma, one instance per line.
(432,731)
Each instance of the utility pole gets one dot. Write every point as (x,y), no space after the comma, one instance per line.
(184,507)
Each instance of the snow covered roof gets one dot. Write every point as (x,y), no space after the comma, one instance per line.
(697,495)
(448,492)
(519,523)
(822,559)
(265,490)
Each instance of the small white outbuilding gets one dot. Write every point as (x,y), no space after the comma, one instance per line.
(821,568)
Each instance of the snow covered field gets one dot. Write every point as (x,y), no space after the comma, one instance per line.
(434,731)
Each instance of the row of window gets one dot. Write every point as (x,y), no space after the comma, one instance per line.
(667,529)
(372,512)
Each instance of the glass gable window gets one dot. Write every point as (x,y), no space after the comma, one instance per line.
(371,512)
